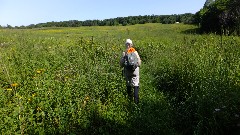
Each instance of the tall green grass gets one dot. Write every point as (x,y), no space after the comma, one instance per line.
(200,77)
(68,81)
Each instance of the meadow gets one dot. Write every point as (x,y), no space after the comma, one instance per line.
(68,81)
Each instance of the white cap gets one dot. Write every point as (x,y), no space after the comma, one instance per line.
(128,41)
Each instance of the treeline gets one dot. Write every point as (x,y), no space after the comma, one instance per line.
(187,18)
(216,16)
(220,16)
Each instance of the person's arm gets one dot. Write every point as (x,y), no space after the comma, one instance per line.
(139,59)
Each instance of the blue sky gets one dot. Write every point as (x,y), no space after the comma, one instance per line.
(26,12)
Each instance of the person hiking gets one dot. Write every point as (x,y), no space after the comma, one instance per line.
(130,62)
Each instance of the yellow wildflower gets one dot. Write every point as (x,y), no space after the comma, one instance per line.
(39,109)
(34,94)
(14,85)
(38,71)
(86,98)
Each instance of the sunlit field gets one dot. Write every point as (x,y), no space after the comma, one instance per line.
(68,81)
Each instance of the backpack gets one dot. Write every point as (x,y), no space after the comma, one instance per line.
(131,61)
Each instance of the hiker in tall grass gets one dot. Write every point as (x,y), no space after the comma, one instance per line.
(130,62)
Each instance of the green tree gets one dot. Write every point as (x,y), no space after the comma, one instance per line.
(221,16)
(208,2)
(187,18)
(9,26)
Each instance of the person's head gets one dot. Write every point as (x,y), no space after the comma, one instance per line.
(128,43)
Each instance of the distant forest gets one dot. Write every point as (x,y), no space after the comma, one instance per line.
(216,16)
(186,18)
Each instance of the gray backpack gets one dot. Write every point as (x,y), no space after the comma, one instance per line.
(131,61)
